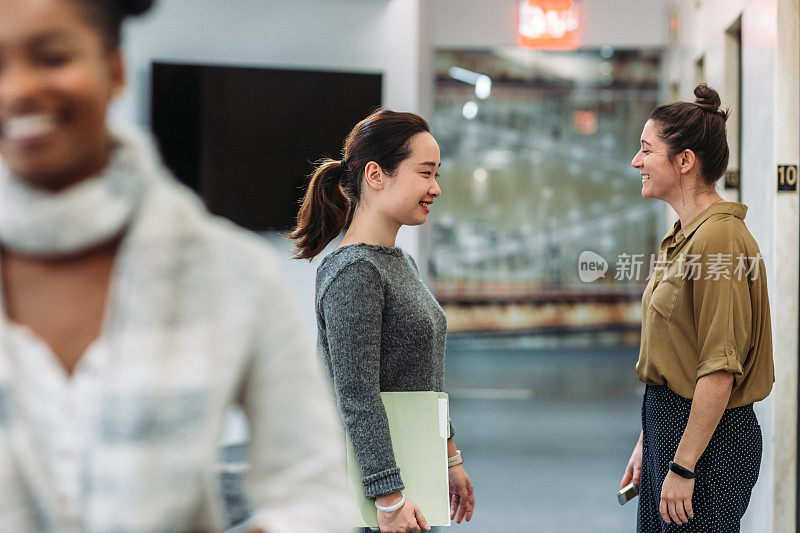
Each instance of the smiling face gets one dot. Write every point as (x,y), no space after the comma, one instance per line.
(660,176)
(407,197)
(57,78)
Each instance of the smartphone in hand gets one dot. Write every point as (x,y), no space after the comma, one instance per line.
(628,493)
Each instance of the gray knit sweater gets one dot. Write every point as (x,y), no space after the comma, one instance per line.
(380,329)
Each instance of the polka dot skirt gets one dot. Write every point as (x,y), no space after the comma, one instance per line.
(726,472)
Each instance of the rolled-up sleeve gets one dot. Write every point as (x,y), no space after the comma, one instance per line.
(722,305)
(352,310)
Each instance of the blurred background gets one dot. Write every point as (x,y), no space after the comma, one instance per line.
(538,106)
(537,170)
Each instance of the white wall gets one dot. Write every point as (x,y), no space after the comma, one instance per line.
(618,23)
(771,126)
(353,35)
(377,36)
(380,36)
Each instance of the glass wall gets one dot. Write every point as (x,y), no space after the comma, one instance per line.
(536,150)
(540,248)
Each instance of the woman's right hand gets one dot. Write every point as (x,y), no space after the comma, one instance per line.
(633,473)
(407,519)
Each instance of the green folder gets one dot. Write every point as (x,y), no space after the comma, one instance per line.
(419,427)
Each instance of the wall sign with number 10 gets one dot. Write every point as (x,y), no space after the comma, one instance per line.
(787,177)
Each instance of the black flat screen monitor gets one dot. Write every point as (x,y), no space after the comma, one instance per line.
(246,138)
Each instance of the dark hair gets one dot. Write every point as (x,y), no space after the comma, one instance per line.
(699,127)
(335,187)
(108,15)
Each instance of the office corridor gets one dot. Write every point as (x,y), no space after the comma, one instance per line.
(545,432)
(545,439)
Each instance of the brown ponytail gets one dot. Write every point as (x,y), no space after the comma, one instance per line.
(324,211)
(335,187)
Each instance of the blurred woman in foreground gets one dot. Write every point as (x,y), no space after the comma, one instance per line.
(132,320)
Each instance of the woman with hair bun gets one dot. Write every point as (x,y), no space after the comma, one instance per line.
(706,348)
(131,320)
(379,327)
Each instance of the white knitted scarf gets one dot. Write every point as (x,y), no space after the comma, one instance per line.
(41,223)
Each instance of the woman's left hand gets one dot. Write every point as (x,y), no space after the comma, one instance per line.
(676,499)
(462,497)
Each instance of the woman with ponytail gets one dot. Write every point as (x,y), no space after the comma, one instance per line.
(131,320)
(706,349)
(380,329)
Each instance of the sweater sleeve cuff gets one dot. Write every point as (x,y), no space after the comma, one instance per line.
(382,483)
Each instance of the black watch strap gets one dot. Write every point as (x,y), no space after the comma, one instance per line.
(681,471)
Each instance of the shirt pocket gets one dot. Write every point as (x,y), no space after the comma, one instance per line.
(665,295)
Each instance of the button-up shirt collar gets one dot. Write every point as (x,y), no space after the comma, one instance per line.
(679,234)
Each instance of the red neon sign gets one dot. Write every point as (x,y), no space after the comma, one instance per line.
(552,24)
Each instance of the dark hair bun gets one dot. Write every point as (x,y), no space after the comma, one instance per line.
(707,98)
(134,7)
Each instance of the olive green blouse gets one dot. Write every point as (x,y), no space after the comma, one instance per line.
(706,308)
